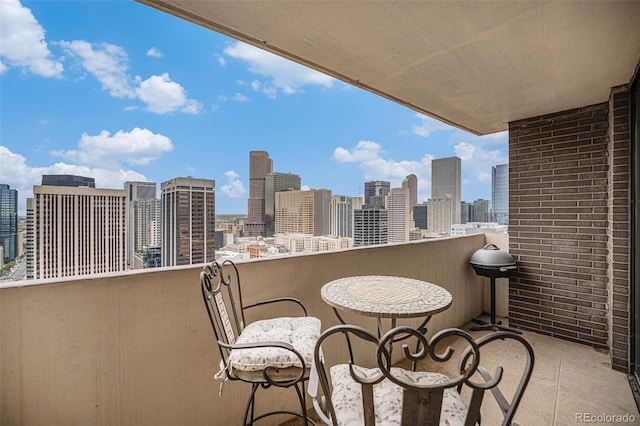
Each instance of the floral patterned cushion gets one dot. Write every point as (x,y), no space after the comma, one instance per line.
(387,396)
(300,332)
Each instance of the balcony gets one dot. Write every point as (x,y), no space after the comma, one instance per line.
(137,349)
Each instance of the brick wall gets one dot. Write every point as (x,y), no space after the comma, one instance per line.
(558,171)
(619,227)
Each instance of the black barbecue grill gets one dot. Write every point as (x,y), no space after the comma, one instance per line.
(494,263)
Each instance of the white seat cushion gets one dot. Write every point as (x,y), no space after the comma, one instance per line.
(300,332)
(387,396)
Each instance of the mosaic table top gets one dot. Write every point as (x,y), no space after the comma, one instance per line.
(386,296)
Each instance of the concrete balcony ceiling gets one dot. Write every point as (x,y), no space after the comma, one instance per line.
(475,65)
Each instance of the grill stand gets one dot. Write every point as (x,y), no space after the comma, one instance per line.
(493,325)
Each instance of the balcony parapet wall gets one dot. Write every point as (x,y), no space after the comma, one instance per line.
(137,348)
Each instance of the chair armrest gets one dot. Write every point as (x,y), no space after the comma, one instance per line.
(277,300)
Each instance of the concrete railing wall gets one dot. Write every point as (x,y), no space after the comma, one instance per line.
(137,348)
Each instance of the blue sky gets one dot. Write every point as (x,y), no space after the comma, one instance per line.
(119,91)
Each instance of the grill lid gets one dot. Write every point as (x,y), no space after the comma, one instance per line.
(490,255)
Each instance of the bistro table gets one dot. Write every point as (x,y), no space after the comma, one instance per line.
(384,296)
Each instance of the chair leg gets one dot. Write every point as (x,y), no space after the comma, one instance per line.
(250,419)
(302,397)
(250,405)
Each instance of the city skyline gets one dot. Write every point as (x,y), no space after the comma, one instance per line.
(96,96)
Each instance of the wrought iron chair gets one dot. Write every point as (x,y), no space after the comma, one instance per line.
(355,395)
(267,353)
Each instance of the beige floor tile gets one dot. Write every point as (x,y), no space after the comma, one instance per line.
(611,396)
(570,406)
(568,380)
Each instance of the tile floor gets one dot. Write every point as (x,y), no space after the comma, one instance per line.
(569,380)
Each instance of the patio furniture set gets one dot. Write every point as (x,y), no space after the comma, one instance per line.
(348,370)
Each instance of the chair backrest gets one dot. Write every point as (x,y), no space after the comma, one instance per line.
(222,294)
(417,397)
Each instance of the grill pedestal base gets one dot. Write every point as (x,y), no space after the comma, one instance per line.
(493,324)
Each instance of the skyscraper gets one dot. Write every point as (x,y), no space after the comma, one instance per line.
(420,216)
(304,212)
(276,182)
(341,214)
(411,182)
(144,225)
(500,194)
(439,214)
(375,193)
(446,182)
(8,223)
(75,230)
(399,214)
(259,166)
(188,221)
(481,210)
(466,213)
(371,227)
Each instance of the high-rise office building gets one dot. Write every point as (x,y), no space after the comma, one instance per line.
(259,166)
(303,212)
(399,214)
(276,182)
(75,230)
(341,214)
(144,225)
(420,216)
(375,193)
(371,227)
(188,221)
(151,256)
(411,182)
(8,223)
(500,194)
(466,212)
(481,210)
(446,181)
(439,214)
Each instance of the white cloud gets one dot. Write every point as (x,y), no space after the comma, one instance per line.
(465,151)
(428,125)
(480,153)
(155,53)
(239,97)
(164,96)
(259,86)
(222,61)
(233,188)
(22,42)
(19,175)
(362,152)
(287,76)
(477,153)
(107,62)
(138,147)
(369,156)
